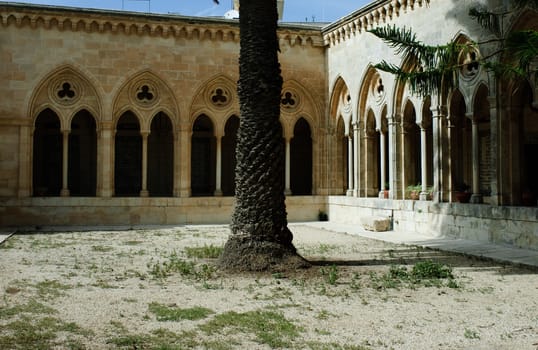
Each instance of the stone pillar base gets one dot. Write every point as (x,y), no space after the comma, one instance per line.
(218,193)
(424,196)
(349,193)
(144,193)
(64,193)
(476,199)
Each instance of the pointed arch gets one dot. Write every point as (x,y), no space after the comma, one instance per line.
(146,93)
(84,92)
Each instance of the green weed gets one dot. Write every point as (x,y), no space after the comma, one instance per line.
(331,274)
(269,328)
(205,252)
(169,313)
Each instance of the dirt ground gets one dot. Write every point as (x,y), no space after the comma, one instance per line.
(158,289)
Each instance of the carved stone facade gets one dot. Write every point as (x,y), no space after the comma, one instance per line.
(125,119)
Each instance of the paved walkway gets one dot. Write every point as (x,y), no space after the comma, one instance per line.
(4,235)
(496,252)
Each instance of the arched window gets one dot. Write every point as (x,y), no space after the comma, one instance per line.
(82,170)
(47,156)
(301,159)
(203,157)
(229,141)
(161,157)
(412,148)
(128,156)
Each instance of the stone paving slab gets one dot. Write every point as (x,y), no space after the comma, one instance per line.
(496,252)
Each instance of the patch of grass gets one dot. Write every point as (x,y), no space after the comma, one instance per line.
(159,339)
(134,242)
(174,264)
(331,274)
(50,289)
(171,313)
(470,334)
(102,248)
(270,328)
(333,346)
(206,252)
(423,273)
(32,307)
(31,333)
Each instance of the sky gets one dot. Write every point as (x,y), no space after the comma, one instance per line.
(294,10)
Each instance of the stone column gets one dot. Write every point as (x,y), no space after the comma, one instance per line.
(350,165)
(287,190)
(392,156)
(438,111)
(65,163)
(218,177)
(476,197)
(451,156)
(25,149)
(383,165)
(423,162)
(105,161)
(356,159)
(185,140)
(494,152)
(144,192)
(177,165)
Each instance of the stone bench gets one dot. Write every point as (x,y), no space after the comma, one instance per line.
(375,223)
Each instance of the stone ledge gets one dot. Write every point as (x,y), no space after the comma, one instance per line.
(375,223)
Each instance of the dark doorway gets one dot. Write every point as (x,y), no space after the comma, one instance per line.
(203,156)
(82,170)
(128,157)
(229,141)
(301,159)
(47,156)
(161,157)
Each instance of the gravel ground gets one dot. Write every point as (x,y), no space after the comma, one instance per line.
(158,289)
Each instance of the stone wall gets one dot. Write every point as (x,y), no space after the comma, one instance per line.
(516,226)
(29,213)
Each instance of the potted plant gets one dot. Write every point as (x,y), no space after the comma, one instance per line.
(413,191)
(463,193)
(386,191)
(322,216)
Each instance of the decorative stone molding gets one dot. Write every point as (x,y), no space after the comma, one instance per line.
(371,16)
(129,23)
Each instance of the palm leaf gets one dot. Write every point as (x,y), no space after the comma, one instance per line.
(487,19)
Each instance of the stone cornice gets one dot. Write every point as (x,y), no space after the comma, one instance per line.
(376,13)
(143,24)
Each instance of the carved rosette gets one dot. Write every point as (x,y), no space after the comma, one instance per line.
(144,93)
(290,100)
(219,96)
(65,90)
(469,63)
(377,90)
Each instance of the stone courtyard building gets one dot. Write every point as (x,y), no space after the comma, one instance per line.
(117,118)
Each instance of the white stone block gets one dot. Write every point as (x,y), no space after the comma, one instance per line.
(375,223)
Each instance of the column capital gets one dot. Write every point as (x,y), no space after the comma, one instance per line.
(438,111)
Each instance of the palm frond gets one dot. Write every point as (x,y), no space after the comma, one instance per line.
(523,47)
(523,3)
(487,19)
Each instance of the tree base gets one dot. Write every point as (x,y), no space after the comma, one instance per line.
(245,254)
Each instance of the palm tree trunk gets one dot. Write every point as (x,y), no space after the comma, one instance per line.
(260,238)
